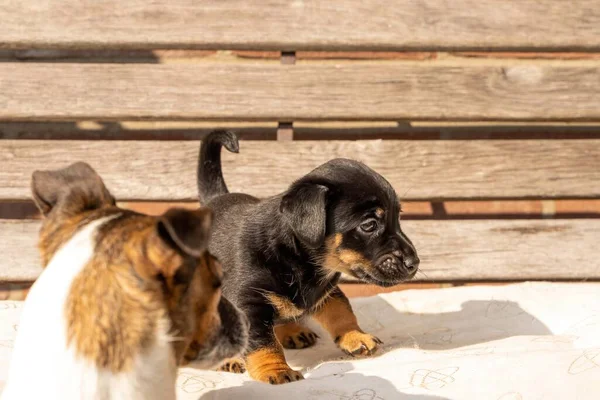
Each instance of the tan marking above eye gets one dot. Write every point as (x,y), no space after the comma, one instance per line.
(380,212)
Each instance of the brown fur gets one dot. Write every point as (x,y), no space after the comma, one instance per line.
(286,310)
(112,331)
(210,277)
(268,365)
(56,230)
(142,276)
(295,336)
(337,318)
(93,326)
(338,259)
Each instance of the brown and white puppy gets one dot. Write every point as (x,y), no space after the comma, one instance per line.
(123,298)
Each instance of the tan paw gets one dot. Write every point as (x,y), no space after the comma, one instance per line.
(234,365)
(268,365)
(279,377)
(357,343)
(295,336)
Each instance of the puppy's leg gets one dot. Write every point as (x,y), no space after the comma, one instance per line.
(267,364)
(337,318)
(265,361)
(295,336)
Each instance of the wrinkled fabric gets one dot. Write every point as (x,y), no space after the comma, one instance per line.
(515,342)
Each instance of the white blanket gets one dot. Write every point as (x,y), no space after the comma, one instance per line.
(519,342)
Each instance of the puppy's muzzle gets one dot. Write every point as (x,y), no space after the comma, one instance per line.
(389,270)
(227,342)
(399,265)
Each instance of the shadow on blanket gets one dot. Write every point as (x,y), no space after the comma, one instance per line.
(463,330)
(477,322)
(347,386)
(473,323)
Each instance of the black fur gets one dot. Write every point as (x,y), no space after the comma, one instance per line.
(279,244)
(210,176)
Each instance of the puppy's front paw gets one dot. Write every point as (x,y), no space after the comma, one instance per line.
(280,377)
(357,343)
(234,365)
(295,336)
(268,365)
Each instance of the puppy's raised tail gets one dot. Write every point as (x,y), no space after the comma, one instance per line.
(210,176)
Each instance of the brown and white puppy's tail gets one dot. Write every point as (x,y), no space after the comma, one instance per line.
(210,176)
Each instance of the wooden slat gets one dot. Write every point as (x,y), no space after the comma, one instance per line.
(450,250)
(249,91)
(453,169)
(20,256)
(303,25)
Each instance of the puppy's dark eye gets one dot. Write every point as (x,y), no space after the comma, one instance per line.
(368,226)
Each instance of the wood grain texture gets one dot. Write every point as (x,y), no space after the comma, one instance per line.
(253,91)
(303,24)
(433,170)
(20,259)
(449,250)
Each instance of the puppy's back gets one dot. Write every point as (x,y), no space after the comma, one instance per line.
(42,366)
(46,362)
(98,323)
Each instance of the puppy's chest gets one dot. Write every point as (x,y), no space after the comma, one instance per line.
(297,301)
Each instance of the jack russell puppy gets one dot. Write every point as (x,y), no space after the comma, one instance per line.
(123,300)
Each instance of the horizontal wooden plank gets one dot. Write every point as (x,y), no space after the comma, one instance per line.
(18,241)
(303,25)
(450,250)
(250,91)
(463,209)
(320,130)
(453,169)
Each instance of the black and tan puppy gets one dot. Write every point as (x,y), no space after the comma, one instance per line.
(283,256)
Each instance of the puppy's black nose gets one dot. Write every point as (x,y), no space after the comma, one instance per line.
(411,263)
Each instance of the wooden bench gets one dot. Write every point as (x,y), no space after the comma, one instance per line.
(451,101)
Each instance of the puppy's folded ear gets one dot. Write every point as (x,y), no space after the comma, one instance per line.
(304,209)
(75,188)
(186,230)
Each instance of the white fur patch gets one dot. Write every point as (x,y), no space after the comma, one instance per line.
(42,367)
